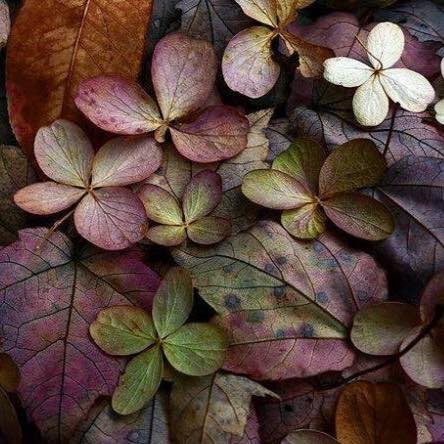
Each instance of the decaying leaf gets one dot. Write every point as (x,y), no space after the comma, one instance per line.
(284,300)
(309,437)
(93,39)
(212,409)
(50,293)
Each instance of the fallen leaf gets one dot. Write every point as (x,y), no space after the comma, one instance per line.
(309,437)
(284,299)
(94,37)
(211,409)
(369,413)
(59,291)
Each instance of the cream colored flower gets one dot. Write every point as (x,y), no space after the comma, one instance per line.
(439,107)
(378,82)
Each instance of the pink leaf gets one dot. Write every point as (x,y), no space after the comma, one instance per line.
(118,105)
(219,133)
(183,73)
(112,218)
(50,294)
(47,197)
(125,160)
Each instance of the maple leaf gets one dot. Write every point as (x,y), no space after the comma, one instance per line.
(50,292)
(284,300)
(107,214)
(182,84)
(195,349)
(248,65)
(310,187)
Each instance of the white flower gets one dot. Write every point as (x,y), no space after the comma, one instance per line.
(378,82)
(439,107)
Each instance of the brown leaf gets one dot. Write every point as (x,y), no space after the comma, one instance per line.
(44,66)
(369,413)
(9,424)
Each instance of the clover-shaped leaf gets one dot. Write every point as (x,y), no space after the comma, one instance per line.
(195,349)
(182,84)
(248,65)
(308,187)
(107,214)
(192,218)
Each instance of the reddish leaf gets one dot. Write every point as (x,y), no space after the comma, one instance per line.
(51,293)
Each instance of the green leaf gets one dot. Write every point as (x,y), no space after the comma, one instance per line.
(123,330)
(161,206)
(173,301)
(353,165)
(303,161)
(380,329)
(139,383)
(360,216)
(196,349)
(167,235)
(274,189)
(209,230)
(306,222)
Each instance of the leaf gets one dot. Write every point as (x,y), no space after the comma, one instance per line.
(209,230)
(173,302)
(212,408)
(59,291)
(369,413)
(149,425)
(139,383)
(196,349)
(284,300)
(15,173)
(9,373)
(213,20)
(202,194)
(412,190)
(5,23)
(167,235)
(309,437)
(123,330)
(380,329)
(306,222)
(264,11)
(42,78)
(9,424)
(356,164)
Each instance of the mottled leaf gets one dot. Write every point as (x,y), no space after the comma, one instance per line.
(42,77)
(123,330)
(306,222)
(139,383)
(196,349)
(284,300)
(50,294)
(173,301)
(167,235)
(209,230)
(212,408)
(369,413)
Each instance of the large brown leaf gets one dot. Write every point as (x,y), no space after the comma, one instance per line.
(55,44)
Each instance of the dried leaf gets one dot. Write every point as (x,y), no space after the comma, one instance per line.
(9,424)
(5,22)
(309,437)
(42,77)
(63,372)
(9,373)
(209,230)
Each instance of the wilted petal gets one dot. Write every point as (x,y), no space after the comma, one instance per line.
(385,44)
(125,160)
(247,65)
(306,222)
(347,72)
(47,197)
(218,133)
(183,72)
(167,235)
(408,88)
(209,230)
(160,205)
(274,189)
(370,103)
(439,109)
(118,105)
(360,216)
(264,11)
(112,218)
(202,195)
(64,153)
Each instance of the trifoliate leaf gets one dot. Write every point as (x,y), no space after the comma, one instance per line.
(306,222)
(209,230)
(167,235)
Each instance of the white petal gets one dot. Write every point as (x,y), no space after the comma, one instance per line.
(439,109)
(370,103)
(408,88)
(346,72)
(385,44)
